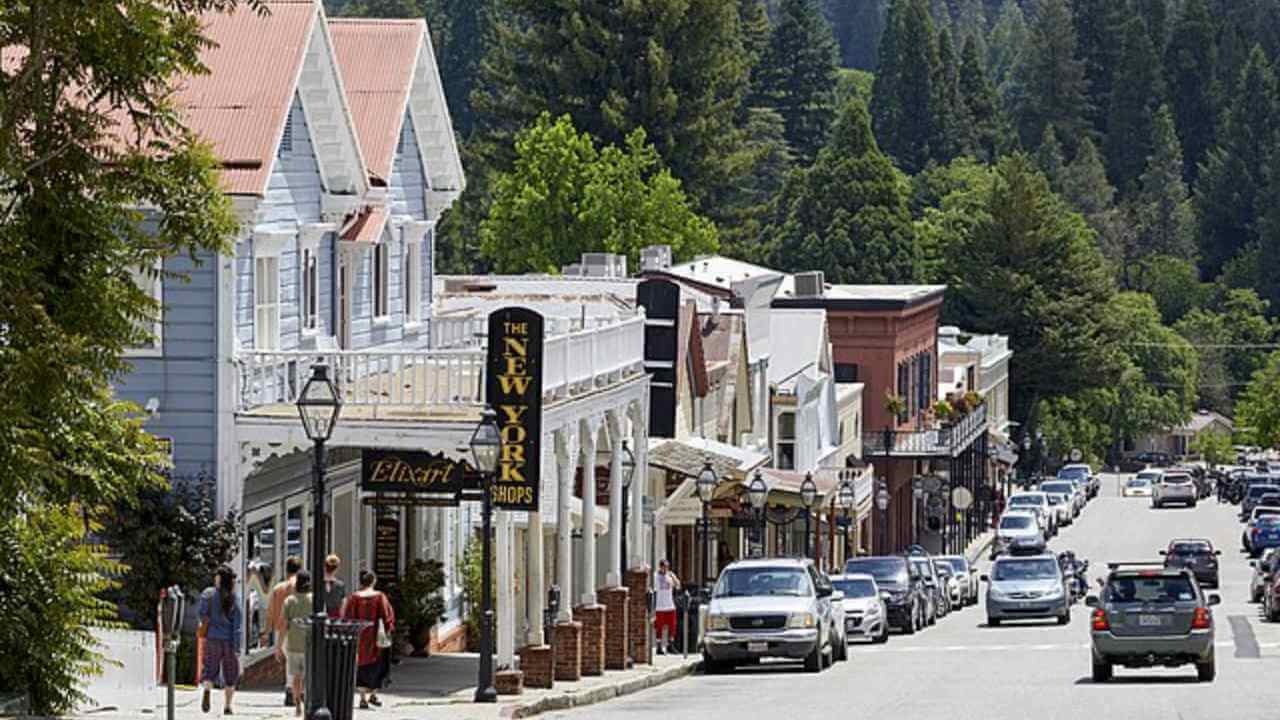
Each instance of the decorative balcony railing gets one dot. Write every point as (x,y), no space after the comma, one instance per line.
(942,441)
(573,362)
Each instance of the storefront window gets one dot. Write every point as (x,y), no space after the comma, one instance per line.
(294,539)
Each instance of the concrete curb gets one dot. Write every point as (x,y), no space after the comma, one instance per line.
(983,543)
(572,699)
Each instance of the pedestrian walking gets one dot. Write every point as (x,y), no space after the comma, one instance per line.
(375,640)
(293,651)
(335,591)
(273,633)
(221,621)
(664,620)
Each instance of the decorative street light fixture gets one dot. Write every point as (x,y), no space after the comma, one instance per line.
(882,503)
(1040,450)
(706,485)
(628,472)
(845,498)
(808,496)
(319,405)
(758,493)
(485,443)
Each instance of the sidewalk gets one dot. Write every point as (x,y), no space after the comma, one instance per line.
(979,546)
(434,688)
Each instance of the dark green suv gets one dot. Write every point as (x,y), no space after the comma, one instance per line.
(1149,616)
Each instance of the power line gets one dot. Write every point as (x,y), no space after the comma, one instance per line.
(1220,346)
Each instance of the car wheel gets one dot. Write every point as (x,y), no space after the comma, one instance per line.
(913,623)
(840,652)
(993,622)
(1064,618)
(713,667)
(813,661)
(883,637)
(1255,596)
(1192,503)
(1101,671)
(1205,671)
(933,618)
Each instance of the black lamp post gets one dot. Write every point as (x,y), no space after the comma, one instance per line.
(1040,449)
(319,404)
(882,503)
(758,493)
(628,471)
(706,485)
(846,497)
(485,442)
(808,496)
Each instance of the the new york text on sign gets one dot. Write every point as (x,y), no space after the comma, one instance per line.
(514,391)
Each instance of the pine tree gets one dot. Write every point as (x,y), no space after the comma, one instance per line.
(848,212)
(972,25)
(1165,218)
(1233,54)
(1135,94)
(1233,175)
(986,131)
(1049,158)
(756,28)
(1101,32)
(953,125)
(1189,66)
(1056,88)
(798,73)
(904,99)
(1156,15)
(1006,53)
(858,26)
(1084,183)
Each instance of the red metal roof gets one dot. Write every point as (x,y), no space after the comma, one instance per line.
(377,60)
(367,225)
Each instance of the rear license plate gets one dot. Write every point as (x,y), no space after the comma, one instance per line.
(757,647)
(1150,620)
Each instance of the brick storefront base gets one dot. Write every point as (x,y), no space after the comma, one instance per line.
(536,664)
(567,649)
(638,613)
(592,619)
(509,682)
(616,650)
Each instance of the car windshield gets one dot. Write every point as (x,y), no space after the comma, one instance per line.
(753,581)
(1258,491)
(1036,499)
(1064,488)
(885,570)
(942,567)
(855,588)
(1015,522)
(1190,549)
(1267,521)
(923,566)
(1037,569)
(1057,499)
(1152,588)
(1073,473)
(957,564)
(1265,511)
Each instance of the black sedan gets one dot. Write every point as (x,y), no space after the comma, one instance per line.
(1197,555)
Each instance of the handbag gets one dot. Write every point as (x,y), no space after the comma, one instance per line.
(202,630)
(384,640)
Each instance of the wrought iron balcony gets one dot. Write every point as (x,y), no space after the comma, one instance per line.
(947,441)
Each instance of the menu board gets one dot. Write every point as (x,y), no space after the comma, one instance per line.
(386,548)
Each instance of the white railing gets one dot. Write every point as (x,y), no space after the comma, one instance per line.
(573,363)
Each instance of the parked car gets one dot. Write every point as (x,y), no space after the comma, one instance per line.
(866,617)
(1151,617)
(1256,488)
(1262,569)
(775,607)
(1018,532)
(1061,505)
(1144,460)
(1197,555)
(953,591)
(1026,587)
(1076,493)
(1262,532)
(1174,487)
(1271,598)
(968,576)
(1040,503)
(1084,473)
(939,604)
(900,585)
(1139,485)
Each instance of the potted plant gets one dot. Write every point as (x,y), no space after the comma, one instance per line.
(943,411)
(895,405)
(421,605)
(973,399)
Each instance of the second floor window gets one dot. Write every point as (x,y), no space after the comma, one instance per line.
(310,289)
(381,281)
(412,282)
(787,441)
(846,373)
(150,282)
(266,303)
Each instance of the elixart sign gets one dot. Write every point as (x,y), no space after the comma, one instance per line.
(513,389)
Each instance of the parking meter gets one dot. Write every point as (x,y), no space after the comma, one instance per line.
(172,607)
(553,609)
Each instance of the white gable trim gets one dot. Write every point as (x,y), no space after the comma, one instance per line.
(437,146)
(324,104)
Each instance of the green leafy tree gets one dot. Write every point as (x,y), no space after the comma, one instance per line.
(1134,98)
(986,132)
(1190,63)
(1166,222)
(1214,447)
(1054,78)
(1208,333)
(904,101)
(798,73)
(1258,412)
(950,200)
(564,197)
(848,213)
(1173,284)
(1230,335)
(1233,174)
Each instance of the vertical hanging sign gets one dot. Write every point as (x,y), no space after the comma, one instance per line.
(513,388)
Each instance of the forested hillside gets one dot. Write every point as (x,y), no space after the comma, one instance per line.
(1099,179)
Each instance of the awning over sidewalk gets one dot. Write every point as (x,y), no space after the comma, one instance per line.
(686,457)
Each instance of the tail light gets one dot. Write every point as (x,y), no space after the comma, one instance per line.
(1202,620)
(1100,621)
(1254,531)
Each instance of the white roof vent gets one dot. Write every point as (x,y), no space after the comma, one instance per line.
(810,284)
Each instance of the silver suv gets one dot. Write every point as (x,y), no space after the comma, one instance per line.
(1174,487)
(1026,587)
(770,608)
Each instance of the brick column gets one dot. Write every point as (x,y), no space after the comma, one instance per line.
(592,619)
(535,663)
(509,682)
(616,648)
(638,613)
(567,649)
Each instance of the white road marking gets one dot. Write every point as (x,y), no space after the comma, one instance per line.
(997,648)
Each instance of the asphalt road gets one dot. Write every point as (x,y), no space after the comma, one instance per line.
(961,669)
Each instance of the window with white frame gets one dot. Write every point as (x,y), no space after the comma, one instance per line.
(310,289)
(151,283)
(266,302)
(381,281)
(412,274)
(787,441)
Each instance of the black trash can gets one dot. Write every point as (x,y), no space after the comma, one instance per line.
(341,641)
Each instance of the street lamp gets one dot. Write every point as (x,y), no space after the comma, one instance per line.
(1040,449)
(758,493)
(808,496)
(485,443)
(319,404)
(706,485)
(846,497)
(628,471)
(882,503)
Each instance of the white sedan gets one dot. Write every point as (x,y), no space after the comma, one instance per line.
(865,614)
(1137,487)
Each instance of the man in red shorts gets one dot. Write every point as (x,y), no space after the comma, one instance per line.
(664,621)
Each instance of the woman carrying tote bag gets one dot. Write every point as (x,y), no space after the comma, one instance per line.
(373,607)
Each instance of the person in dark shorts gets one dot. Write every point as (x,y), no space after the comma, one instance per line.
(221,617)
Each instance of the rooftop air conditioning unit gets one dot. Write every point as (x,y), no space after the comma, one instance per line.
(810,284)
(655,257)
(606,265)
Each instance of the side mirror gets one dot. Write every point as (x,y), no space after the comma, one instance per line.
(1253,563)
(1091,601)
(824,591)
(837,596)
(985,578)
(1217,552)
(1164,552)
(1215,599)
